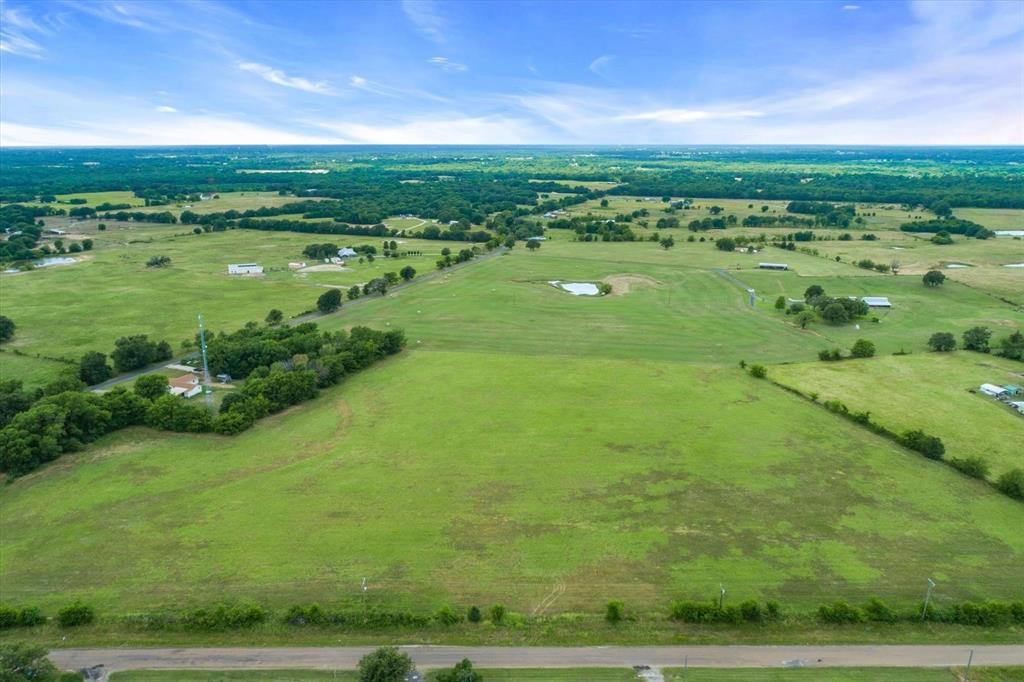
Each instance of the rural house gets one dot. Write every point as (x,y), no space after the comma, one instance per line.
(773,266)
(187,385)
(876,301)
(347,252)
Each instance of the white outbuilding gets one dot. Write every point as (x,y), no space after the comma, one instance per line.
(245,269)
(992,390)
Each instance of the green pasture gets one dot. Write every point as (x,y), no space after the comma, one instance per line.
(540,481)
(66,310)
(934,392)
(994,218)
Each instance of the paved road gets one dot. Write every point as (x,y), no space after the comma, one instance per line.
(339,658)
(135,373)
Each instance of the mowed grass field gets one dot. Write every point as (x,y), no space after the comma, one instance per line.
(64,311)
(928,391)
(535,448)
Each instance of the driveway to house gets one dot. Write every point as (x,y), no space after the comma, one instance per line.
(106,661)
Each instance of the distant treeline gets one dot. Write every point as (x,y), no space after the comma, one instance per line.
(450,185)
(990,191)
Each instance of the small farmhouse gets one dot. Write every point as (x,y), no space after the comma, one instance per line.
(245,269)
(346,252)
(876,301)
(773,266)
(187,385)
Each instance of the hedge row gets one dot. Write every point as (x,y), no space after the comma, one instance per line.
(989,613)
(1010,483)
(222,617)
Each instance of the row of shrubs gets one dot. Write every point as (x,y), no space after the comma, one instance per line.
(989,613)
(709,612)
(70,616)
(234,617)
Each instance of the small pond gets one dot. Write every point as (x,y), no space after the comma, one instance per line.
(577,288)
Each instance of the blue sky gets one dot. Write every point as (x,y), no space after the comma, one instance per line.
(78,72)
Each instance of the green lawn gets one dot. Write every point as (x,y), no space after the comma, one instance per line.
(937,386)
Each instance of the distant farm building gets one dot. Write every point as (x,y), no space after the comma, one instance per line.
(245,269)
(876,301)
(57,233)
(1017,405)
(992,390)
(773,266)
(536,239)
(296,265)
(1011,389)
(346,252)
(187,385)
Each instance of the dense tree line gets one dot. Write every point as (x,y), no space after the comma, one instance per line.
(284,366)
(950,226)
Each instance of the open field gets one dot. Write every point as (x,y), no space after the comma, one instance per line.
(522,509)
(116,292)
(937,386)
(549,486)
(994,218)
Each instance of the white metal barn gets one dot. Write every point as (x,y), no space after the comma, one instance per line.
(245,269)
(992,390)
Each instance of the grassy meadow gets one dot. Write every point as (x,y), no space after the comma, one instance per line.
(941,389)
(112,289)
(533,448)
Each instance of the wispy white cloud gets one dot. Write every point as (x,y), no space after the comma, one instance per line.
(601,64)
(15,24)
(134,14)
(278,77)
(446,64)
(164,109)
(851,8)
(426,17)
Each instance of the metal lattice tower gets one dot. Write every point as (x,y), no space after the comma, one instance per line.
(207,391)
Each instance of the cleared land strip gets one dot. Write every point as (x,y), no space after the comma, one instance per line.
(909,656)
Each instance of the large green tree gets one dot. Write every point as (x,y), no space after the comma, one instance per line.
(386,664)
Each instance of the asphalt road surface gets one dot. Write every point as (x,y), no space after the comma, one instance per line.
(340,658)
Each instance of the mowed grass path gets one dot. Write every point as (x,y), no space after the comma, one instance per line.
(928,392)
(463,478)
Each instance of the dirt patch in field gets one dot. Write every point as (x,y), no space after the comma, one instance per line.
(623,284)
